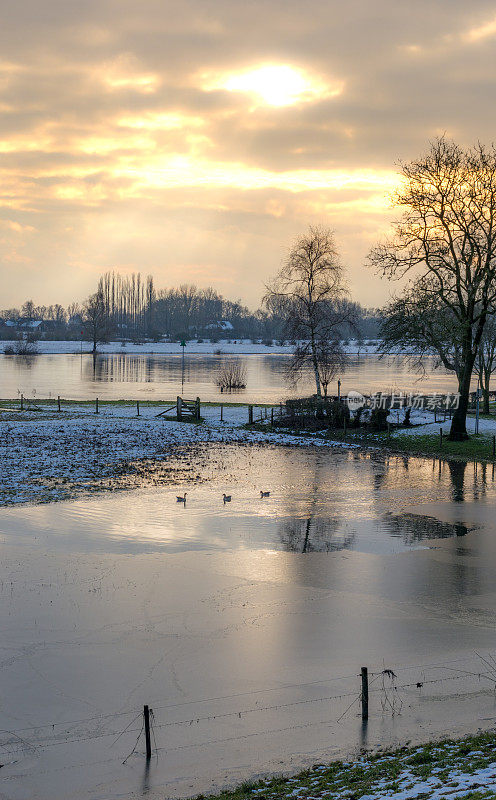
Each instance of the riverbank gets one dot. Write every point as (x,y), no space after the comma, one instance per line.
(464,768)
(46,455)
(192,347)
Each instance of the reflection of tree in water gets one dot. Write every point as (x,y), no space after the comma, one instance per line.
(314,534)
(305,529)
(457,475)
(414,528)
(119,368)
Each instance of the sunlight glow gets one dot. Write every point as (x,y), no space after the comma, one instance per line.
(182,171)
(277,85)
(482,32)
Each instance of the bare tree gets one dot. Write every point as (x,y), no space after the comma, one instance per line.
(95,320)
(309,293)
(331,361)
(446,243)
(485,363)
(232,375)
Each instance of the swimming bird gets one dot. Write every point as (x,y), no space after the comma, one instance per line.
(181,499)
(226,498)
(264,494)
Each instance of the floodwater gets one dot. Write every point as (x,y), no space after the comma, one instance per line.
(244,625)
(149,377)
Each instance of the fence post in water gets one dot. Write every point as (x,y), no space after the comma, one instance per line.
(197,408)
(272,415)
(22,402)
(96,406)
(365,694)
(178,407)
(58,402)
(250,415)
(146,715)
(435,414)
(137,408)
(222,413)
(440,437)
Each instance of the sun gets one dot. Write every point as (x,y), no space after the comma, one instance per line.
(277,85)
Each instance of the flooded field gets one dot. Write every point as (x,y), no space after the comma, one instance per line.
(154,377)
(244,625)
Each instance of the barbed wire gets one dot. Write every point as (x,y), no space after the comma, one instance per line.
(49,742)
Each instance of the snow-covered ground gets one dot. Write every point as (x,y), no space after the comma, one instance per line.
(231,346)
(46,455)
(423,423)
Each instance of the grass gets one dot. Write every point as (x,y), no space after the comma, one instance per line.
(384,773)
(52,401)
(477,448)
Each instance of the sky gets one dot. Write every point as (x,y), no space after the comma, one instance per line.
(195,140)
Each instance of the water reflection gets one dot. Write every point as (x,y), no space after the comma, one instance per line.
(320,501)
(123,375)
(414,528)
(457,471)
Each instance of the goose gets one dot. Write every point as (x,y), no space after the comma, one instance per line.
(264,494)
(226,498)
(181,499)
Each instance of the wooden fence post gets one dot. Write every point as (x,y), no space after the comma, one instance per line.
(365,694)
(22,402)
(197,408)
(58,402)
(96,406)
(146,715)
(137,408)
(272,415)
(179,409)
(250,415)
(222,413)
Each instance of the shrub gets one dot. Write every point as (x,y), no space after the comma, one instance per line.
(232,375)
(25,348)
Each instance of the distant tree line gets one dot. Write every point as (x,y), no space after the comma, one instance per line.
(129,308)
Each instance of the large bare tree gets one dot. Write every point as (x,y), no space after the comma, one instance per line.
(309,292)
(445,243)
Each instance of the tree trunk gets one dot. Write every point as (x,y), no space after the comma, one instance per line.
(458,430)
(485,381)
(316,367)
(485,399)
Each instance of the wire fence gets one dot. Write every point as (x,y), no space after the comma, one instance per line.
(387,695)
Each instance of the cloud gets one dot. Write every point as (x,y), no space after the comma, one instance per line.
(197,139)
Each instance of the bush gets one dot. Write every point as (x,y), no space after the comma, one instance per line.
(378,419)
(232,375)
(21,348)
(315,413)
